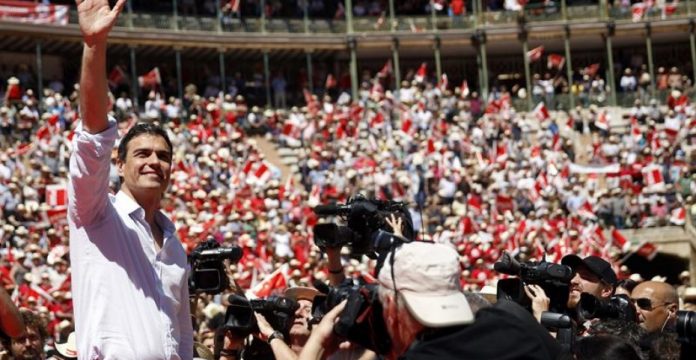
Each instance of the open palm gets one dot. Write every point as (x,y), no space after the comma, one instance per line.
(97,18)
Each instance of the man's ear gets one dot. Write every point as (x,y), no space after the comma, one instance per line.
(119,167)
(607,290)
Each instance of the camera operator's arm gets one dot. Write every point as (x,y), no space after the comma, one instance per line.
(336,273)
(281,350)
(322,340)
(540,302)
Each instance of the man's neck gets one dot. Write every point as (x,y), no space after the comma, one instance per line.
(149,203)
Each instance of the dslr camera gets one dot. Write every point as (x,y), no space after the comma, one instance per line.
(208,269)
(361,321)
(366,223)
(553,278)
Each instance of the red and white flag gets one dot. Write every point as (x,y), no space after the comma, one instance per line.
(56,195)
(620,241)
(647,250)
(444,82)
(386,70)
(330,81)
(555,61)
(541,112)
(116,77)
(652,176)
(535,54)
(637,10)
(421,73)
(587,211)
(274,283)
(602,121)
(678,216)
(636,134)
(464,90)
(151,79)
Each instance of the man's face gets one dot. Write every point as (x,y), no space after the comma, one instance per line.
(653,310)
(29,346)
(586,281)
(147,166)
(300,325)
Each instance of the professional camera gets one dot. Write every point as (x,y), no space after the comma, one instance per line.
(278,311)
(365,218)
(361,321)
(553,278)
(207,268)
(617,307)
(686,326)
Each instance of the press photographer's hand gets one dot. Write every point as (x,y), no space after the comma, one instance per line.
(323,341)
(265,329)
(397,224)
(540,302)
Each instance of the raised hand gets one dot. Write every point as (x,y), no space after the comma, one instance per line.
(97,18)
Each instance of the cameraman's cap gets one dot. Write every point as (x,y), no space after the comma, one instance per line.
(595,264)
(301,293)
(427,277)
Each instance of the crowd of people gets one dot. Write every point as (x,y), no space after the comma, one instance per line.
(477,177)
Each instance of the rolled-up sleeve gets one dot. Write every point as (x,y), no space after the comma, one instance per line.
(89,174)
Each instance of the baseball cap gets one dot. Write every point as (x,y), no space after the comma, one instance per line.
(427,277)
(595,264)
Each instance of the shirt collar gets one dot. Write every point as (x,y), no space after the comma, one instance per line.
(130,207)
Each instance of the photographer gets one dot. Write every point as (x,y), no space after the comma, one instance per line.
(333,254)
(428,317)
(299,332)
(592,275)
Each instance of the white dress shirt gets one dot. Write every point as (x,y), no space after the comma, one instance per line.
(130,300)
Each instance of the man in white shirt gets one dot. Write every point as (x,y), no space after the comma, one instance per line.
(129,278)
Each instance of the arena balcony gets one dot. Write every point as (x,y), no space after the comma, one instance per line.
(481,42)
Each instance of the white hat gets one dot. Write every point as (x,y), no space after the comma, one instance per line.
(428,284)
(68,349)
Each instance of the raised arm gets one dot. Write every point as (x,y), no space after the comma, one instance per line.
(96,20)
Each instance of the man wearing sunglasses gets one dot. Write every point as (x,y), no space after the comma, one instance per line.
(657,305)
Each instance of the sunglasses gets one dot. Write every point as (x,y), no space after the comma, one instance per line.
(646,304)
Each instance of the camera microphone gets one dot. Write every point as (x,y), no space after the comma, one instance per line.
(321,286)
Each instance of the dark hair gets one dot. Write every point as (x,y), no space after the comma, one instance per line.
(605,347)
(627,284)
(141,129)
(630,331)
(31,321)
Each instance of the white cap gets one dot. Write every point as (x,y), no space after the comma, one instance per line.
(427,277)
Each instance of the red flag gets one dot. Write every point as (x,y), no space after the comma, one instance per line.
(541,112)
(150,79)
(587,211)
(636,134)
(671,8)
(591,70)
(116,77)
(555,61)
(652,176)
(330,81)
(421,73)
(535,54)
(407,125)
(386,70)
(620,241)
(56,195)
(647,250)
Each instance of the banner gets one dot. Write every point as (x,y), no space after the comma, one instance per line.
(582,169)
(29,12)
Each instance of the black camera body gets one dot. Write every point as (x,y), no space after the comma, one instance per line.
(361,321)
(208,269)
(553,278)
(277,310)
(686,326)
(365,218)
(617,307)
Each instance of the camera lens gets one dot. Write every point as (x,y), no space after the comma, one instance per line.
(686,326)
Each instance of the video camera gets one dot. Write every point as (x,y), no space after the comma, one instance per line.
(617,307)
(207,268)
(686,333)
(366,223)
(553,278)
(361,321)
